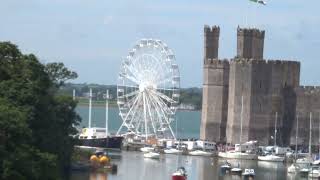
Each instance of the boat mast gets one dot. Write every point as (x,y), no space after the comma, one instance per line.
(90,106)
(275,130)
(107,112)
(297,129)
(310,135)
(319,139)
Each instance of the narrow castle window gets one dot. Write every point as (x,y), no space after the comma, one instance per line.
(260,84)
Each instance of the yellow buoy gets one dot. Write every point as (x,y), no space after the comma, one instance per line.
(94,158)
(104,160)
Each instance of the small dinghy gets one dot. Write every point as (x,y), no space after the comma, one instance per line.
(180,174)
(226,167)
(248,173)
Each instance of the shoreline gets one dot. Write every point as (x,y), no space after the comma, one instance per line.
(116,106)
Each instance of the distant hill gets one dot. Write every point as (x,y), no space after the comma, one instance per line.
(189,97)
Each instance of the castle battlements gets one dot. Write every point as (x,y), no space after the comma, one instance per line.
(216,63)
(247,61)
(263,61)
(214,29)
(308,90)
(289,62)
(252,32)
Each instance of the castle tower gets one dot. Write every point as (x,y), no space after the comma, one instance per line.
(215,89)
(211,42)
(250,43)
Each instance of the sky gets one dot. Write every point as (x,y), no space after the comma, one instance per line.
(91,37)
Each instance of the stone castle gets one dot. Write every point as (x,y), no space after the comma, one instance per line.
(265,91)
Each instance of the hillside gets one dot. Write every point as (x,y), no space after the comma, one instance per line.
(189,97)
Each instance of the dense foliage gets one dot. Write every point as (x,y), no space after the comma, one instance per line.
(35,124)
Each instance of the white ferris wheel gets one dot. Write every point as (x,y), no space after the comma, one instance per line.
(148,90)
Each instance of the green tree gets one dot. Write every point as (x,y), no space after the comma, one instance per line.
(36,125)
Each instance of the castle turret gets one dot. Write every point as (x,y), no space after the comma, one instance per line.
(215,89)
(211,42)
(250,43)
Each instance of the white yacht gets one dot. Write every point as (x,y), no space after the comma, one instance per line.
(147,149)
(200,153)
(172,151)
(272,158)
(152,155)
(238,155)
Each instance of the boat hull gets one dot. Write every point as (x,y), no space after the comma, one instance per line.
(271,158)
(237,155)
(152,155)
(178,177)
(109,142)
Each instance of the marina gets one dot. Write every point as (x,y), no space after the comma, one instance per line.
(197,167)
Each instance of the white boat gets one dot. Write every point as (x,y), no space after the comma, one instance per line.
(172,151)
(200,153)
(314,172)
(147,149)
(316,162)
(225,167)
(237,155)
(236,170)
(249,173)
(304,171)
(293,168)
(271,157)
(305,160)
(152,155)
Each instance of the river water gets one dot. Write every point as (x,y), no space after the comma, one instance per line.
(188,121)
(133,166)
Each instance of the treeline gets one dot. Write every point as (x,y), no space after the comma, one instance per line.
(36,124)
(189,96)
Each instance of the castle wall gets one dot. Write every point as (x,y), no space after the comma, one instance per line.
(250,79)
(239,85)
(215,99)
(308,101)
(285,77)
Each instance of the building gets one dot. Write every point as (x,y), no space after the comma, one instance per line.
(265,91)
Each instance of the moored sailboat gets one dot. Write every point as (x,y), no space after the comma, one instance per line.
(97,136)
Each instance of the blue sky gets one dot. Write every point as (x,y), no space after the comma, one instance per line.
(91,36)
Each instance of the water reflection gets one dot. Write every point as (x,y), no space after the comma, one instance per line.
(134,166)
